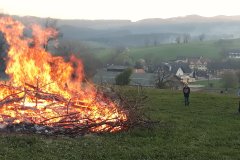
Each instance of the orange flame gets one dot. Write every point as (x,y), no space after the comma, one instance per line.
(38,80)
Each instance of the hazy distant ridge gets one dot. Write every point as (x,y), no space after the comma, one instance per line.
(126,32)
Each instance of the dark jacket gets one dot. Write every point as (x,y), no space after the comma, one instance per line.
(186,91)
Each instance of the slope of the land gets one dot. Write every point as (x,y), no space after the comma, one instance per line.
(165,52)
(207,129)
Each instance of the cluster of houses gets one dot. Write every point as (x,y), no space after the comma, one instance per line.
(234,55)
(182,70)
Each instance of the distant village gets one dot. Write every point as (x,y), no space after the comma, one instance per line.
(172,74)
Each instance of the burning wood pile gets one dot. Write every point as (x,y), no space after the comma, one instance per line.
(45,94)
(52,113)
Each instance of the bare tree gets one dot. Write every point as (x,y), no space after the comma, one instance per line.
(155,42)
(186,38)
(119,56)
(3,54)
(229,79)
(51,23)
(120,49)
(67,47)
(201,37)
(178,40)
(146,42)
(80,50)
(162,78)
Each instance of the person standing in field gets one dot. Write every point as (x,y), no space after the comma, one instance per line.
(186,93)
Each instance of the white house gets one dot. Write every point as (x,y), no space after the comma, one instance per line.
(179,72)
(185,78)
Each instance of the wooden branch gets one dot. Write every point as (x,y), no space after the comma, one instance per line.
(68,105)
(36,99)
(10,99)
(31,86)
(70,122)
(66,115)
(9,87)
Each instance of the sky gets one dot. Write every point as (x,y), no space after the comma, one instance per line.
(133,10)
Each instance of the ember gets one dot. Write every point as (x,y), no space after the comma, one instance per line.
(42,91)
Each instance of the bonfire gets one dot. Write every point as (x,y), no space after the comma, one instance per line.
(48,92)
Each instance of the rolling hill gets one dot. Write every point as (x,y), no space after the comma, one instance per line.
(133,34)
(213,49)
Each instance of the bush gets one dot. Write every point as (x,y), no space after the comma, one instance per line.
(124,77)
(229,80)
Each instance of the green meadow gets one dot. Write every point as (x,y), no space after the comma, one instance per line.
(165,52)
(207,129)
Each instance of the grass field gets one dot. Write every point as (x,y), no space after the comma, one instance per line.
(172,51)
(211,83)
(207,129)
(165,52)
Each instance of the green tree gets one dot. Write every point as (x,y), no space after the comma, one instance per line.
(124,77)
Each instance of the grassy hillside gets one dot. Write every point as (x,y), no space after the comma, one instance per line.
(207,129)
(172,51)
(215,84)
(209,49)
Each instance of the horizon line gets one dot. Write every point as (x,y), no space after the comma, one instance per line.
(122,19)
